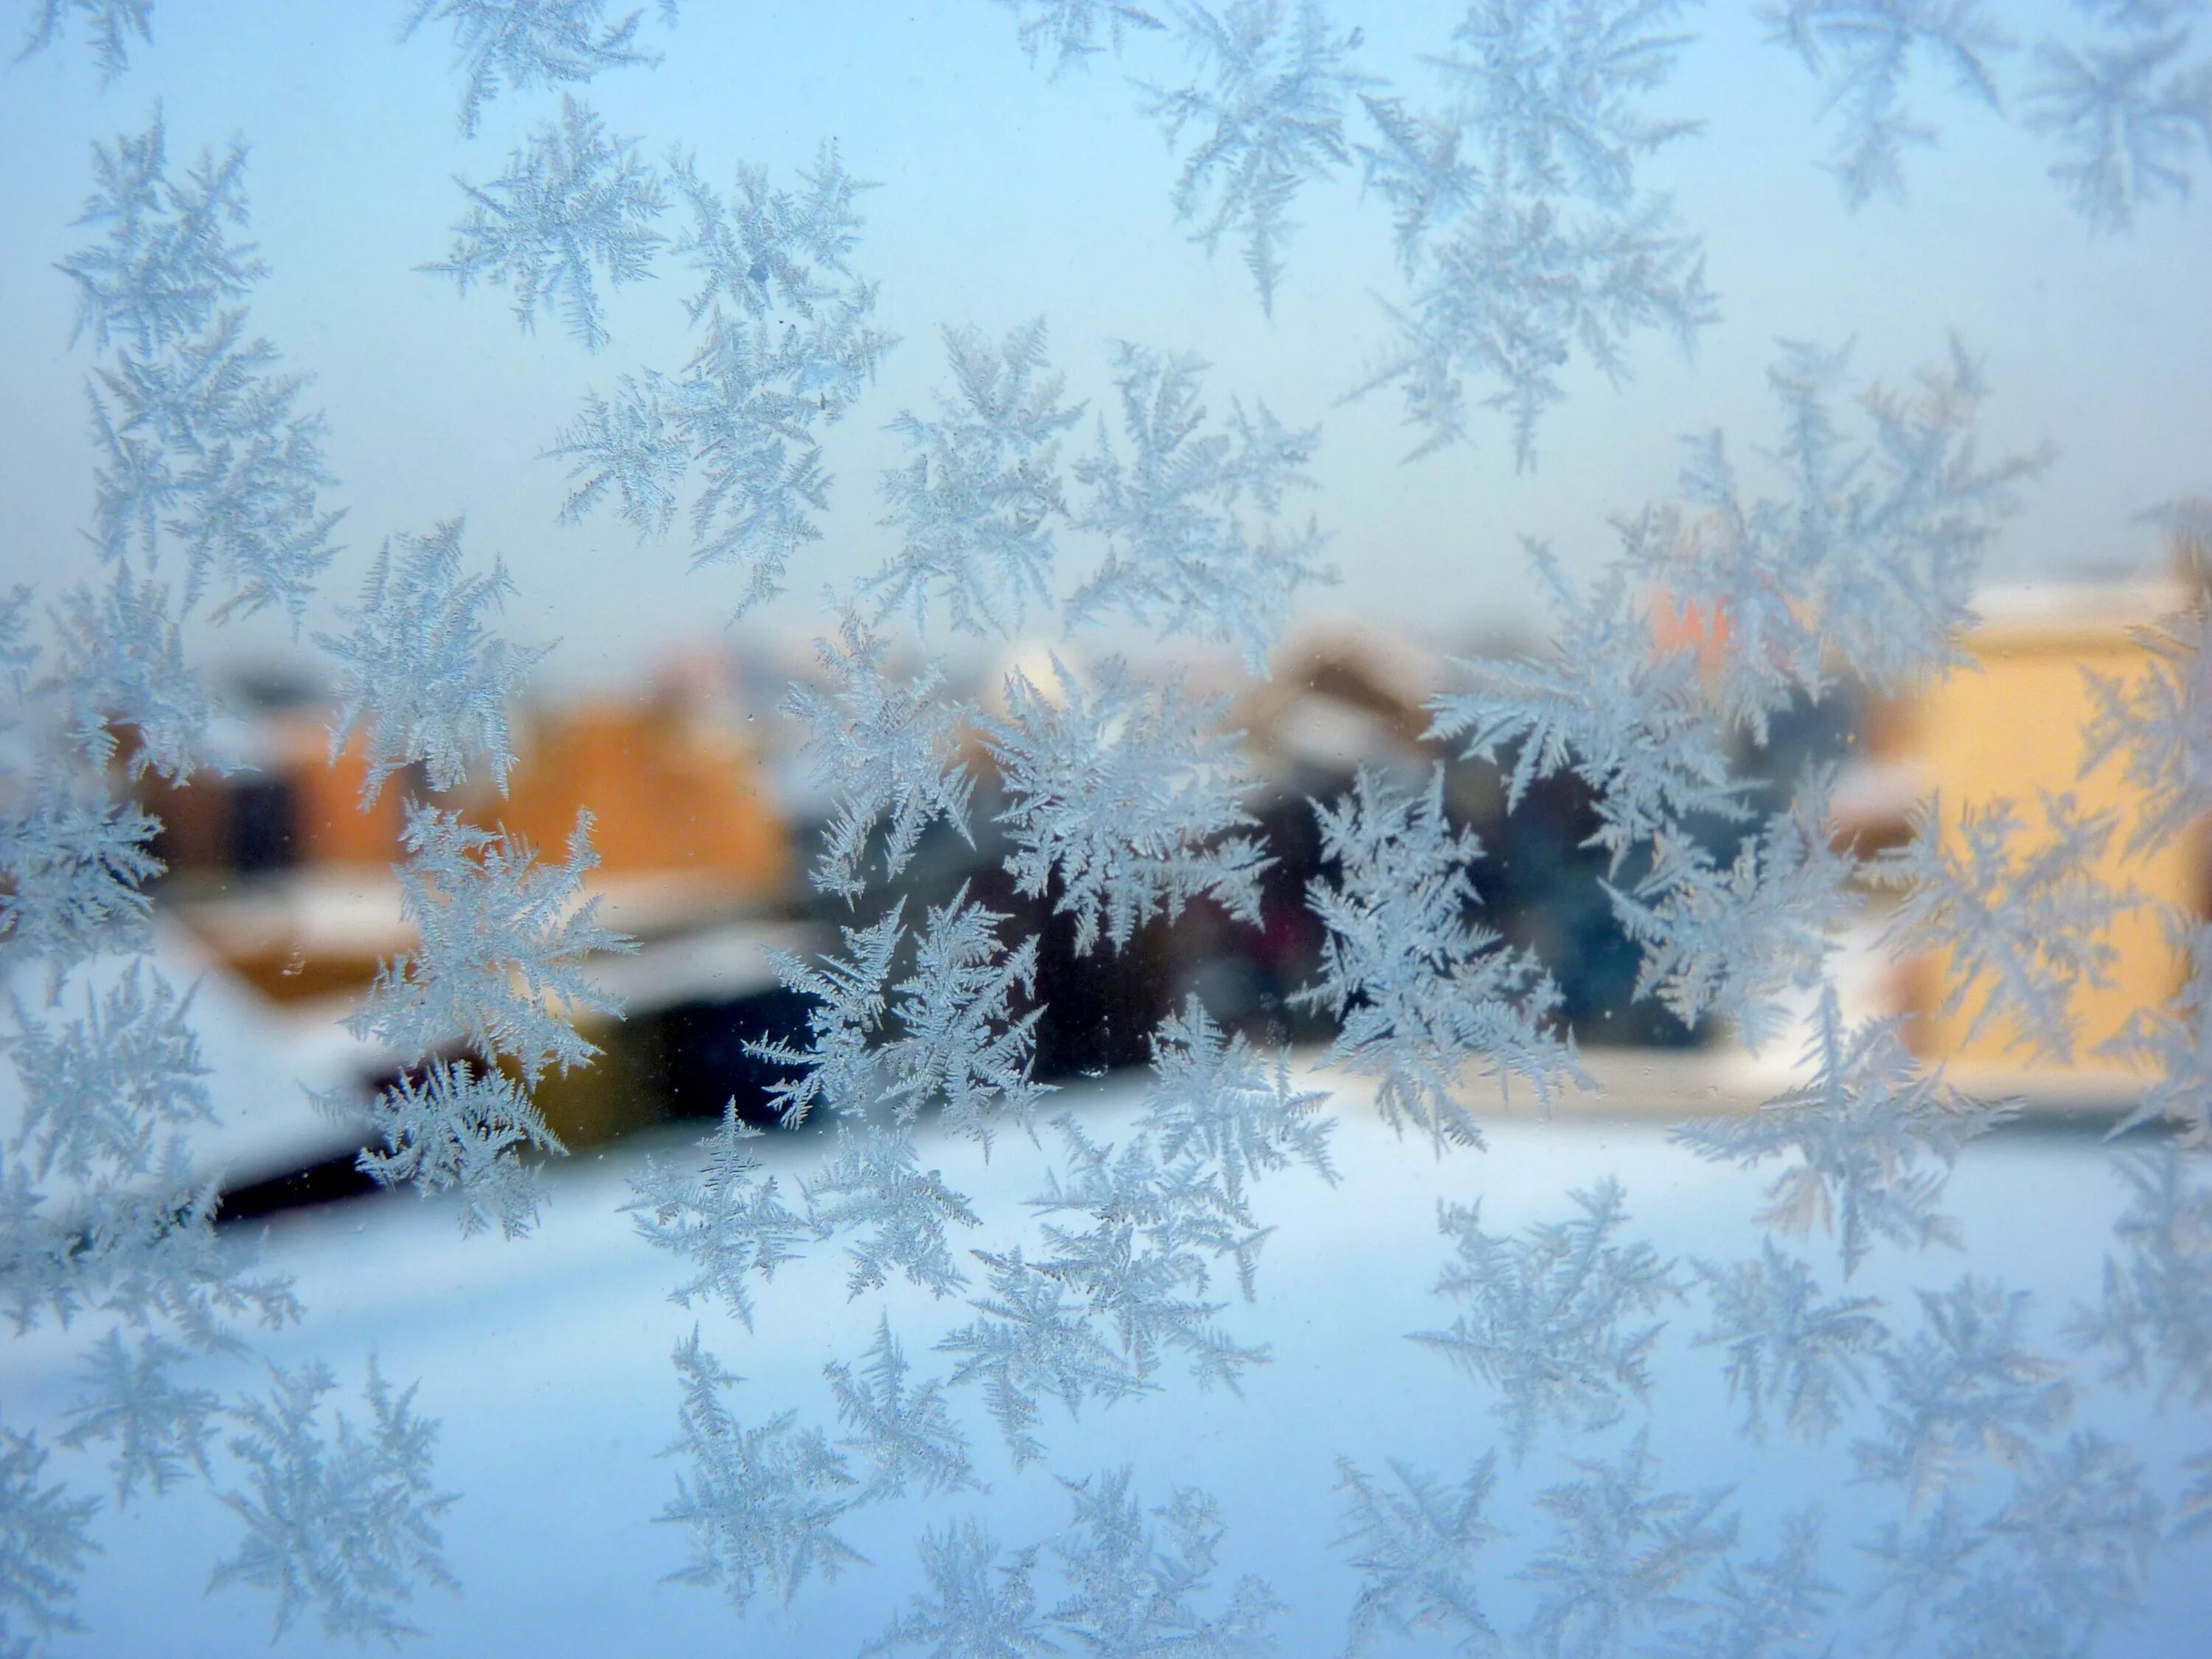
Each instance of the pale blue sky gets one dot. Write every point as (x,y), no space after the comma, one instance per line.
(1005,195)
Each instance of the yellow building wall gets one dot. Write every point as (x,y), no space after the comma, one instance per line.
(2014,726)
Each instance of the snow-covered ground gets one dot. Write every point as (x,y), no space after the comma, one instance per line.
(548,1363)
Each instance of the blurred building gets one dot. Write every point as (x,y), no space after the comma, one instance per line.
(2013,727)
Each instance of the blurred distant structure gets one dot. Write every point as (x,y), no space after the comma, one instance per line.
(2014,728)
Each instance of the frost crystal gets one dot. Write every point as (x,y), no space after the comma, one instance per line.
(788,347)
(122,670)
(503,939)
(1962,1387)
(99,1090)
(963,1049)
(759,1501)
(110,23)
(75,870)
(525,43)
(1272,92)
(904,1435)
(158,1427)
(202,445)
(1131,1591)
(1071,28)
(417,672)
(1738,941)
(838,1069)
(1217,1102)
(2161,726)
(890,751)
(1415,1551)
(875,1182)
(2178,1040)
(2155,1316)
(1544,1326)
(1033,1341)
(1421,992)
(972,1617)
(1768,1607)
(1805,1356)
(1141,1266)
(1622,1558)
(43,1543)
(976,503)
(343,1524)
(2024,924)
(1627,719)
(960,1046)
(1870,559)
(2066,1556)
(723,1221)
(576,199)
(464,1129)
(1861,51)
(1180,560)
(2132,116)
(1861,1133)
(1125,799)
(1544,243)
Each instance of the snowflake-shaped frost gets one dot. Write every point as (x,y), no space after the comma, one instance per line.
(576,199)
(1550,1321)
(1415,1550)
(343,1522)
(1421,992)
(1124,797)
(759,1501)
(503,939)
(975,505)
(417,672)
(1180,559)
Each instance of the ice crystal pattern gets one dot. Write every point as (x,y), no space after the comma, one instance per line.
(1123,798)
(1867,1139)
(205,453)
(503,942)
(976,506)
(520,45)
(787,345)
(1805,1358)
(1963,1387)
(1415,1550)
(2159,726)
(1421,992)
(1522,231)
(759,1503)
(1268,104)
(2023,917)
(420,679)
(576,201)
(2132,112)
(343,1522)
(960,1047)
(724,1221)
(43,1544)
(1553,1320)
(1132,1579)
(1863,53)
(890,751)
(109,25)
(1071,28)
(1624,1557)
(1181,558)
(902,1433)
